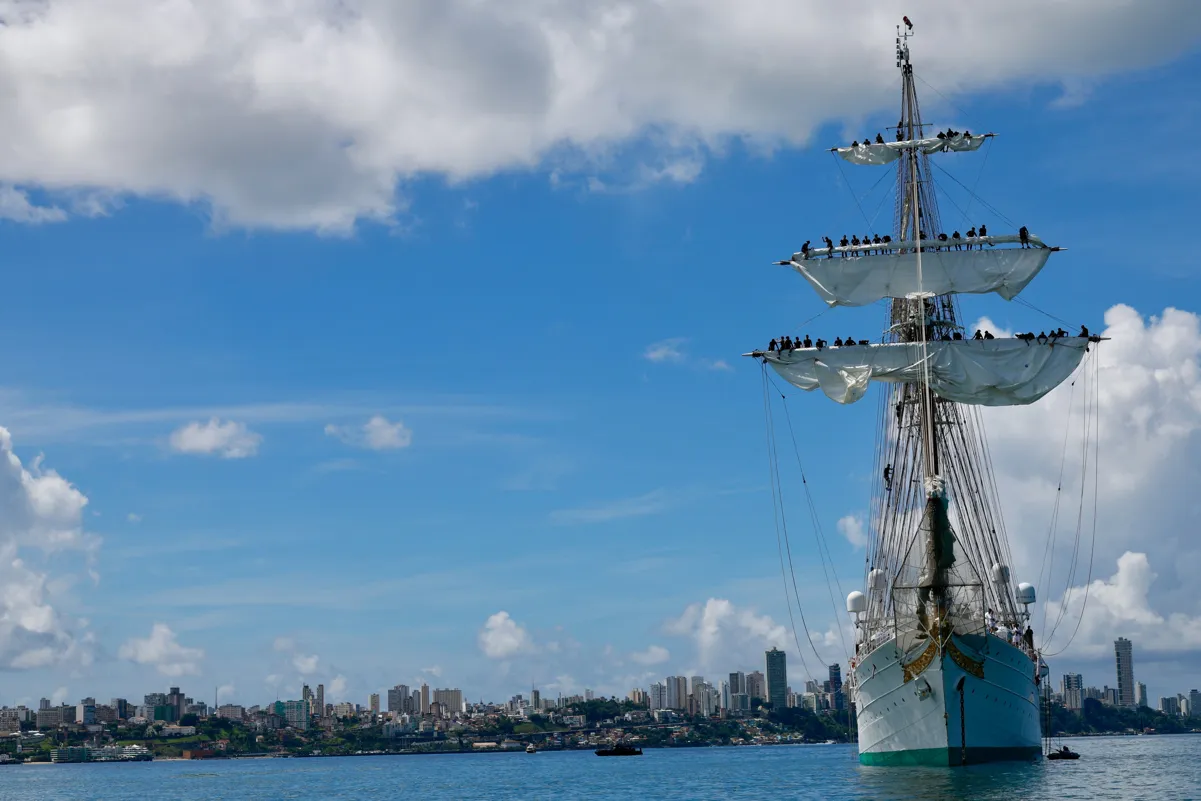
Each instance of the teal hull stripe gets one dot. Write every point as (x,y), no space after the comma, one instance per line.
(950,756)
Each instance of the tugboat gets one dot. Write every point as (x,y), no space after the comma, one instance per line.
(619,750)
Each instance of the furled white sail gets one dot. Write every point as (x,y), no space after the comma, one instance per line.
(862,279)
(888,152)
(990,372)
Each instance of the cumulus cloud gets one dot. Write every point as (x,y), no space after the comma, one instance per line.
(653,655)
(307,114)
(377,434)
(724,633)
(1144,395)
(305,664)
(1120,606)
(15,205)
(229,440)
(162,650)
(337,687)
(40,513)
(502,637)
(851,527)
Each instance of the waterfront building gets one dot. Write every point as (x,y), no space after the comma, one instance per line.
(1070,688)
(396,698)
(658,696)
(450,700)
(1169,706)
(756,685)
(777,678)
(1123,651)
(85,714)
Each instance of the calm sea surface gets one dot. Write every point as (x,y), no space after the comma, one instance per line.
(1167,767)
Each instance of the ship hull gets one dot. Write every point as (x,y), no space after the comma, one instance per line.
(911,710)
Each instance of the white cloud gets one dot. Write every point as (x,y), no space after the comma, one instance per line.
(162,650)
(1120,606)
(501,637)
(337,688)
(59,696)
(230,440)
(1147,414)
(725,634)
(40,513)
(851,527)
(15,205)
(305,664)
(377,434)
(667,350)
(309,113)
(435,671)
(651,503)
(225,693)
(283,644)
(653,655)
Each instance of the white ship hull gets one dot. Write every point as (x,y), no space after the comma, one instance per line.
(908,705)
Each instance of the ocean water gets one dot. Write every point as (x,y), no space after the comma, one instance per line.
(1160,767)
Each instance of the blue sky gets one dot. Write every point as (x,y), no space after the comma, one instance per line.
(548,467)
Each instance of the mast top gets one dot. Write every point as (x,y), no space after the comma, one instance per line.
(903,43)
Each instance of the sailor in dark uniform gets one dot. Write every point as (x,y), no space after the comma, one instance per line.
(829,247)
(958,240)
(808,342)
(1024,235)
(805,250)
(879,139)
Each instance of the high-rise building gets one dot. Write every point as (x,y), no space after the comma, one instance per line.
(637,696)
(658,696)
(588,696)
(837,699)
(737,683)
(535,699)
(756,685)
(1140,694)
(1169,706)
(120,708)
(697,681)
(1070,688)
(425,698)
(296,713)
(450,700)
(373,703)
(43,703)
(1194,703)
(320,700)
(675,699)
(777,678)
(397,697)
(414,705)
(725,695)
(1123,651)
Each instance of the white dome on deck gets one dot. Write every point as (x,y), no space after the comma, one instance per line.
(1025,593)
(1000,574)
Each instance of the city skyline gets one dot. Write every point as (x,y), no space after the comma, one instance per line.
(397,372)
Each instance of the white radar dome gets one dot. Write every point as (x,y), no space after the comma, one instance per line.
(877,580)
(1000,574)
(1025,593)
(856,602)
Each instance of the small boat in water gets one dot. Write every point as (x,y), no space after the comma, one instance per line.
(619,750)
(1063,753)
(530,749)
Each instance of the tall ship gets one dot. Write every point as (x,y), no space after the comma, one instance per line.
(945,670)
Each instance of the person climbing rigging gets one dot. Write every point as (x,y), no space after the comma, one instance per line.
(1028,638)
(888,478)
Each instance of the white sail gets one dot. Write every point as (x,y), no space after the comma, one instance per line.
(989,372)
(888,152)
(862,280)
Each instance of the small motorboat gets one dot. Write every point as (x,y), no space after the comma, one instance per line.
(530,749)
(619,750)
(1063,753)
